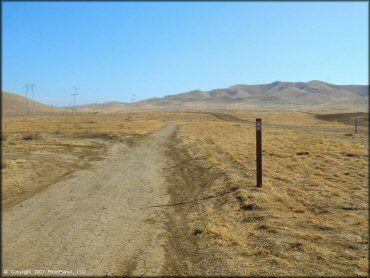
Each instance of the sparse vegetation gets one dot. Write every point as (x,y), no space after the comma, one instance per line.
(210,141)
(198,230)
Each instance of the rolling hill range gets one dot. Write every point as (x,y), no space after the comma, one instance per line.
(277,94)
(280,95)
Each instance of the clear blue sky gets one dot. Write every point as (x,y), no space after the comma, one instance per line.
(112,50)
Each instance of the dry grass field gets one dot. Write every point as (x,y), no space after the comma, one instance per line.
(309,218)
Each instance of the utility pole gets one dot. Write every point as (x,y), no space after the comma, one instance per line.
(356,126)
(259,151)
(133,102)
(74,99)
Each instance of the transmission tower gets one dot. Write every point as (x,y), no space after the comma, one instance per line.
(32,86)
(26,87)
(29,87)
(74,99)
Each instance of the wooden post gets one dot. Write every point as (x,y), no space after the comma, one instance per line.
(356,126)
(259,151)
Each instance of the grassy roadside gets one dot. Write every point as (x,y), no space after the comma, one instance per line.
(311,216)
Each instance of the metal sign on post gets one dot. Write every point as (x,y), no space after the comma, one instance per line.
(259,151)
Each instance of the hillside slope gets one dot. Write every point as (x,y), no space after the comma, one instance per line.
(17,105)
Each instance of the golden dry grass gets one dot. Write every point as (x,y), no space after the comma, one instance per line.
(310,217)
(83,123)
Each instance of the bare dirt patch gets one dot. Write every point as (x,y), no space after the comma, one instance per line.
(98,221)
(28,168)
(40,151)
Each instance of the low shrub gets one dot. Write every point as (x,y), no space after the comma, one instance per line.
(31,136)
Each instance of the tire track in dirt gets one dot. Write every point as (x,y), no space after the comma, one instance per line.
(94,222)
(190,180)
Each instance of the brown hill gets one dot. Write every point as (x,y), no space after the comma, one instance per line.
(314,94)
(17,105)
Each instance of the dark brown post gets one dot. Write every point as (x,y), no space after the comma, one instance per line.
(259,151)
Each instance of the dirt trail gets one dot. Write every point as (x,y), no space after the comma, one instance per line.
(96,223)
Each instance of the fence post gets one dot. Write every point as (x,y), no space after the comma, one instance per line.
(356,126)
(259,151)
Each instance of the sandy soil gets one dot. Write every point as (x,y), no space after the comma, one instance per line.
(97,222)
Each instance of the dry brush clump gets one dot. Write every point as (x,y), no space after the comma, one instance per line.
(311,215)
(31,136)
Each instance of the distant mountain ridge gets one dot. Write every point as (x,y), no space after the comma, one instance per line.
(278,94)
(313,93)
